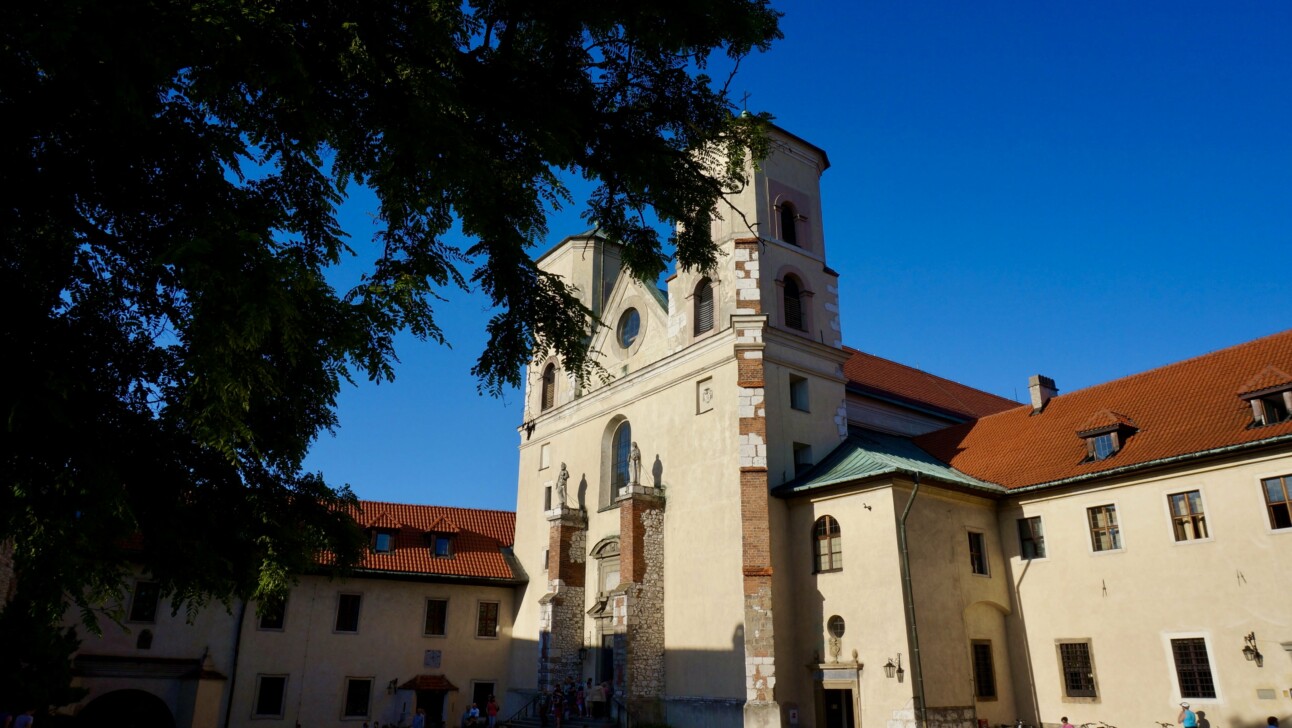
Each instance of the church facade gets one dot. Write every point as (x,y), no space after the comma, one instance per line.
(752,524)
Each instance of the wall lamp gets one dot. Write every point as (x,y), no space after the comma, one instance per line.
(891,670)
(1251,651)
(390,686)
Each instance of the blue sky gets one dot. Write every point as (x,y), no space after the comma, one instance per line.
(1079,189)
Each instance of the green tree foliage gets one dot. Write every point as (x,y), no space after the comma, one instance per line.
(171,175)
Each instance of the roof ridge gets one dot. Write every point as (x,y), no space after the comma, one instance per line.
(363,501)
(926,373)
(1156,369)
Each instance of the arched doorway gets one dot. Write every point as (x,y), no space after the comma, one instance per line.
(126,709)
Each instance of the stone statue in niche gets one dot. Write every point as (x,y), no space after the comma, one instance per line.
(561,481)
(835,647)
(635,465)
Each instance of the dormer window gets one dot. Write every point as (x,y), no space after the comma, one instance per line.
(383,542)
(1105,435)
(1269,394)
(442,546)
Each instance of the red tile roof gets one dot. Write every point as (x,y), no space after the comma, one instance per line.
(479,537)
(888,378)
(1179,409)
(428,682)
(1270,376)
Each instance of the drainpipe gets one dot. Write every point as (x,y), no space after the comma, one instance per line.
(233,670)
(916,663)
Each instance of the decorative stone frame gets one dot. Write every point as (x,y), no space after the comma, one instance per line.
(1094,670)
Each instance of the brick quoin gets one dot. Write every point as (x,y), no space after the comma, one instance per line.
(561,561)
(632,543)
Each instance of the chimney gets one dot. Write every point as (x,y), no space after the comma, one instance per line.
(1042,389)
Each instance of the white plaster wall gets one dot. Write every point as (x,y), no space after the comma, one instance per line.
(1129,603)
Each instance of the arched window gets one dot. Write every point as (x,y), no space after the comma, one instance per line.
(793,304)
(704,307)
(549,387)
(789,224)
(620,449)
(828,544)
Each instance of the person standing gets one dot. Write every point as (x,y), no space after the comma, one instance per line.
(419,720)
(25,720)
(1066,724)
(491,711)
(1187,718)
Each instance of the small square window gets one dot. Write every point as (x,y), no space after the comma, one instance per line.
(270,690)
(1278,501)
(802,458)
(1105,534)
(443,546)
(1103,445)
(978,553)
(358,696)
(1271,409)
(1031,538)
(383,542)
(487,620)
(347,612)
(1187,520)
(798,393)
(143,605)
(273,614)
(437,614)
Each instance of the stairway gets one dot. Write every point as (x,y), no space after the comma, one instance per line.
(533,722)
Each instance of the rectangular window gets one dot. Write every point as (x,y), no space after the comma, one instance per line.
(1078,671)
(977,553)
(143,605)
(437,611)
(358,694)
(273,614)
(984,671)
(545,456)
(487,620)
(1105,535)
(1193,668)
(269,695)
(443,546)
(383,542)
(798,393)
(347,612)
(1031,538)
(1104,445)
(1278,500)
(1187,520)
(802,458)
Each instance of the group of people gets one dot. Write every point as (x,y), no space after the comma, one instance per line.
(1189,719)
(17,720)
(486,717)
(574,699)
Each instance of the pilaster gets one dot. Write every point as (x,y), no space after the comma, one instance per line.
(561,609)
(756,561)
(638,602)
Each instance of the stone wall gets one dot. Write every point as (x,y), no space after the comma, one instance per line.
(638,604)
(953,717)
(561,610)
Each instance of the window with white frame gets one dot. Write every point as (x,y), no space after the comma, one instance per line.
(1278,501)
(798,393)
(1188,522)
(437,617)
(143,603)
(1105,534)
(1031,538)
(487,620)
(1193,668)
(978,552)
(347,612)
(270,690)
(358,697)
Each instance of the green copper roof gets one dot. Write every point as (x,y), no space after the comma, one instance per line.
(867,454)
